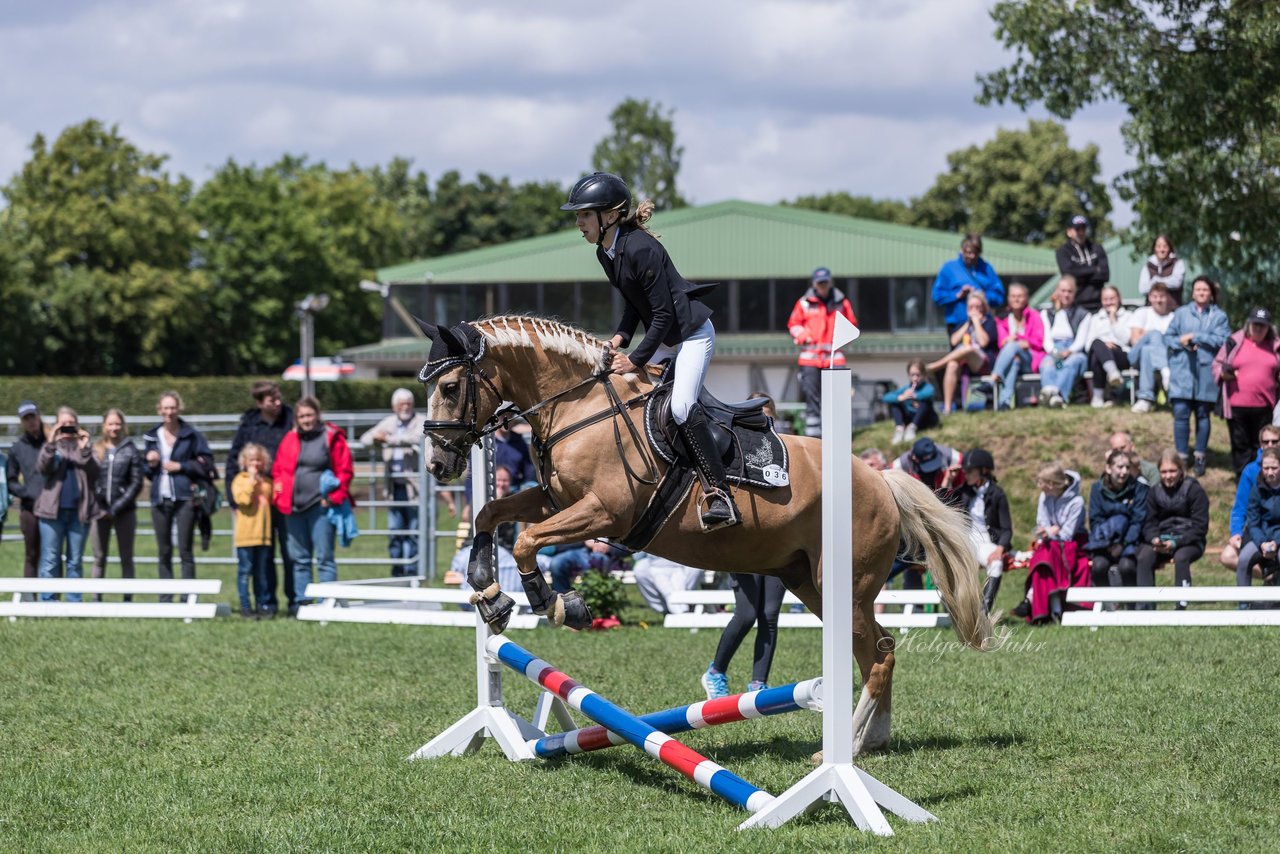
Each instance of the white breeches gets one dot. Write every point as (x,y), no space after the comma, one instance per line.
(692,358)
(983,548)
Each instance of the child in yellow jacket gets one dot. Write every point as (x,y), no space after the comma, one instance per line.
(251,494)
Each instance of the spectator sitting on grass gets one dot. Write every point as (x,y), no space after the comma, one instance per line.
(1057,558)
(911,406)
(1117,511)
(657,578)
(1262,523)
(1268,437)
(991,526)
(874,458)
(1122,440)
(1176,525)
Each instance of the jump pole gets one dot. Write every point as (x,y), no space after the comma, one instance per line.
(661,746)
(837,779)
(707,713)
(490,718)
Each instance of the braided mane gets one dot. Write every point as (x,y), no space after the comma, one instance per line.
(523,330)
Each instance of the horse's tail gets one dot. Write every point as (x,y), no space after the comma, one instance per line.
(925,522)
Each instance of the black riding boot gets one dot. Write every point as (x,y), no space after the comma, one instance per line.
(989,591)
(718,511)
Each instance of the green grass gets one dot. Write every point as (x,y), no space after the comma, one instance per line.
(245,736)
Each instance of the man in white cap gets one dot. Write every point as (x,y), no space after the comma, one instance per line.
(811,325)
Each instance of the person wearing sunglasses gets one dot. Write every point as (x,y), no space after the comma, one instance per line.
(1268,437)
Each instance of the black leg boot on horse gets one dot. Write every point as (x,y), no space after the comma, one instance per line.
(718,509)
(495,607)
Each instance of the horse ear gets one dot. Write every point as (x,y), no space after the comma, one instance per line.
(453,345)
(428,329)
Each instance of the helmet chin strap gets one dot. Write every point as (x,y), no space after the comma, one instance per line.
(604,229)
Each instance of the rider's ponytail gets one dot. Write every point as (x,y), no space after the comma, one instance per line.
(640,216)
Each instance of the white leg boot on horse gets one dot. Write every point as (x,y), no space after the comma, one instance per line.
(719,511)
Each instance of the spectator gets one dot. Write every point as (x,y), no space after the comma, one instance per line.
(973,346)
(1268,437)
(1194,337)
(657,578)
(991,531)
(1057,560)
(963,275)
(504,538)
(22,474)
(811,325)
(911,406)
(1164,267)
(1147,348)
(1020,334)
(66,504)
(400,437)
(757,600)
(1248,366)
(1176,524)
(1066,330)
(937,466)
(1263,523)
(570,561)
(120,479)
(1117,511)
(4,495)
(1122,440)
(874,458)
(266,424)
(1108,346)
(251,495)
(510,451)
(178,460)
(781,426)
(313,447)
(1086,262)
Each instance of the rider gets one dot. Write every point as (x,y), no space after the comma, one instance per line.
(676,323)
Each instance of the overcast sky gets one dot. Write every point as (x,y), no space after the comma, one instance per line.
(772,99)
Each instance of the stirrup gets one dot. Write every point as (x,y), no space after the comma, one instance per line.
(704,505)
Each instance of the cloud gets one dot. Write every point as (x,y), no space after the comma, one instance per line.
(772,99)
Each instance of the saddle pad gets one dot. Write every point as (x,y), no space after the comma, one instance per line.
(753,457)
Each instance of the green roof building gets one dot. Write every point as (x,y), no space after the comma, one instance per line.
(762,254)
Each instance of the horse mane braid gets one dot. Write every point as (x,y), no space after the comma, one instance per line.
(526,330)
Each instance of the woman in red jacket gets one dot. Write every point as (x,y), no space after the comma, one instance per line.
(307,452)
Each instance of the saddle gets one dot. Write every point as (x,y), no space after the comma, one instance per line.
(744,437)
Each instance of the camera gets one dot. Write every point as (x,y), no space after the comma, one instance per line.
(69,430)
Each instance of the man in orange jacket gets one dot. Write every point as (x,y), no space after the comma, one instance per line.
(811,325)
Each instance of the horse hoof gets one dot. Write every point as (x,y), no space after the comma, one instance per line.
(496,612)
(576,613)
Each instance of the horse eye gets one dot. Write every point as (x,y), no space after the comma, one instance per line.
(449,389)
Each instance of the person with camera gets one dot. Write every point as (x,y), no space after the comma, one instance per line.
(1262,524)
(119,482)
(1176,526)
(179,461)
(66,505)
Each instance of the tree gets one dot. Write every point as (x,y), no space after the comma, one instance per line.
(98,249)
(642,151)
(863,207)
(1024,185)
(489,211)
(273,235)
(1201,85)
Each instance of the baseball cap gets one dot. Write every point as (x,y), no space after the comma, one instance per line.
(822,274)
(924,453)
(979,458)
(1260,315)
(27,407)
(1078,221)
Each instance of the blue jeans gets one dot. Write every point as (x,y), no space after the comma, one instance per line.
(1011,361)
(1150,355)
(402,546)
(311,536)
(255,561)
(1063,379)
(66,530)
(566,566)
(1182,408)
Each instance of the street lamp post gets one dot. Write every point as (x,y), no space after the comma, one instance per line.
(306,311)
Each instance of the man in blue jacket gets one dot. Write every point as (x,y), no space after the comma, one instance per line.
(962,274)
(1268,437)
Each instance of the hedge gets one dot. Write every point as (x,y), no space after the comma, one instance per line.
(200,395)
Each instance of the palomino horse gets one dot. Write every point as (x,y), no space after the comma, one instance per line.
(592,486)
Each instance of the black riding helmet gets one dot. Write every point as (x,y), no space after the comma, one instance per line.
(600,191)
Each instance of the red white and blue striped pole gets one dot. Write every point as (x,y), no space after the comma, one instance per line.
(725,710)
(693,765)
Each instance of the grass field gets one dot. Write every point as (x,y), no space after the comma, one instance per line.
(246,736)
